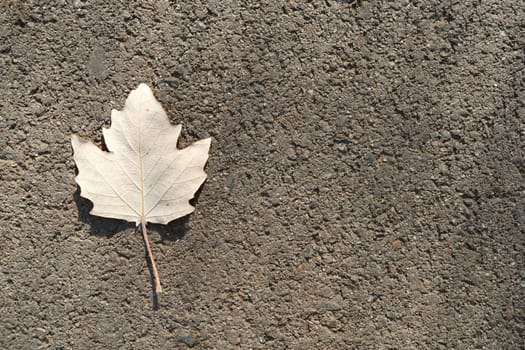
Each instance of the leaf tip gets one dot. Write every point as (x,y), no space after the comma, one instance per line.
(144,88)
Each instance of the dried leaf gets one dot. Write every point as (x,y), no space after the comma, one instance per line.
(144,177)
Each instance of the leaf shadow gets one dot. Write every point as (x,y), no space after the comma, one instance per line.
(105,227)
(176,230)
(173,231)
(99,226)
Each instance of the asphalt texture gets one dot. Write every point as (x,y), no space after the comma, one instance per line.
(366,178)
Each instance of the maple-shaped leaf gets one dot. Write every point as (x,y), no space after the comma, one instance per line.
(144,177)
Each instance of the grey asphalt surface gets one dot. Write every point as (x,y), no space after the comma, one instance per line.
(366,179)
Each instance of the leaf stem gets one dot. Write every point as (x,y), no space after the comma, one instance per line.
(158,288)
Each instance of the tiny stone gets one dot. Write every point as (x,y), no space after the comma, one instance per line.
(324,125)
(443,169)
(370,158)
(20,135)
(455,133)
(308,252)
(41,147)
(186,338)
(201,25)
(341,147)
(290,152)
(334,304)
(37,109)
(445,134)
(47,100)
(233,337)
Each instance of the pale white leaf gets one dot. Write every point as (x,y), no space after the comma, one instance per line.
(143,177)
